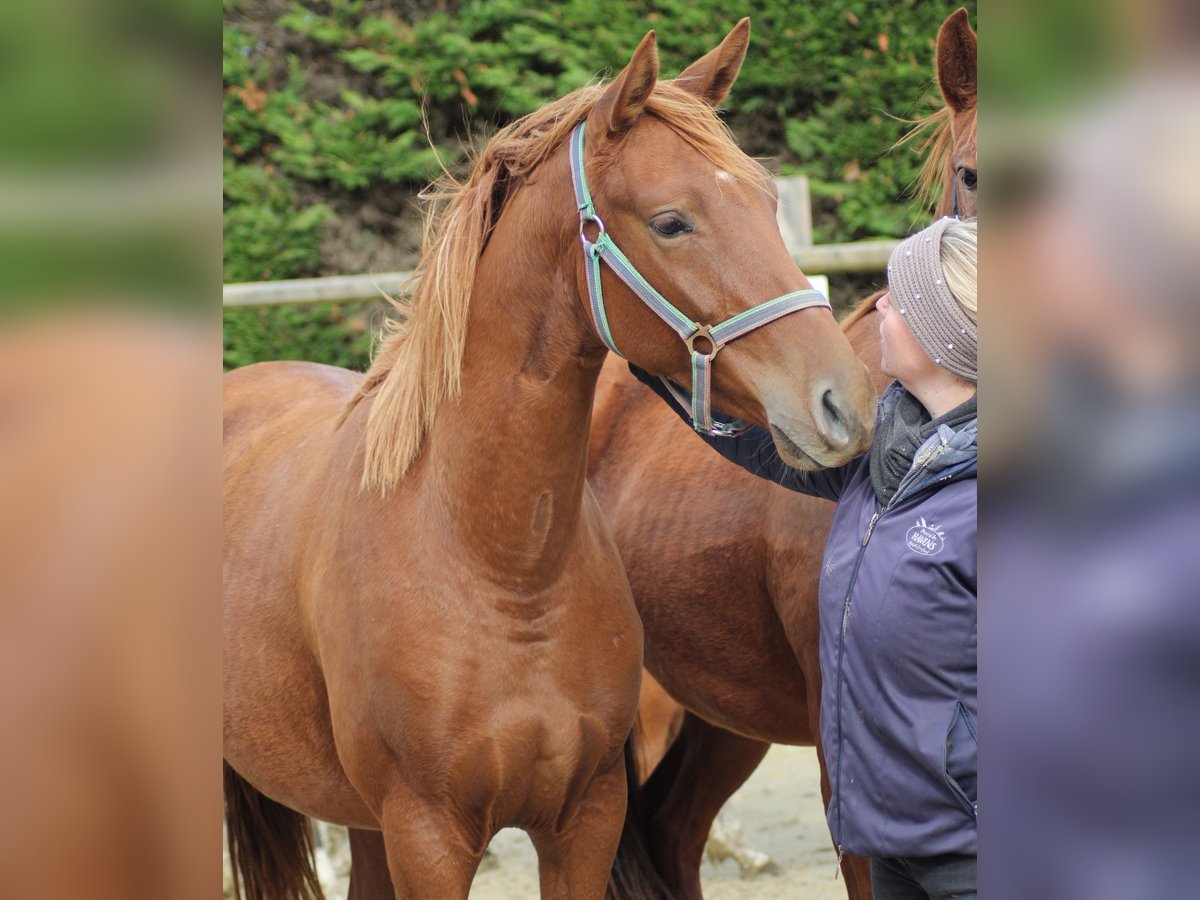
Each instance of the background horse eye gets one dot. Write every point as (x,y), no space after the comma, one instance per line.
(670,226)
(970,179)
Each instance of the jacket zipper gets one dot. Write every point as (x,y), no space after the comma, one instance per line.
(841,653)
(908,479)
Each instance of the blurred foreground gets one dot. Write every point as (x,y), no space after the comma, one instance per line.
(109,451)
(1090,618)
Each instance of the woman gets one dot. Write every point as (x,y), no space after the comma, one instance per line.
(898,584)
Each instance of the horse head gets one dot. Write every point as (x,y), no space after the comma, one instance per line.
(957,54)
(696,218)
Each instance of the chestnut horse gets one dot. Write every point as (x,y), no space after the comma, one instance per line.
(429,635)
(724,566)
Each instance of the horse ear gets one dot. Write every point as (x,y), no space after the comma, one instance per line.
(622,103)
(712,75)
(957,50)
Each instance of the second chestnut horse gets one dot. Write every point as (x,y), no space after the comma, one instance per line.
(725,566)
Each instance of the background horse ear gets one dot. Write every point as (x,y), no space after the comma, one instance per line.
(712,75)
(622,103)
(957,49)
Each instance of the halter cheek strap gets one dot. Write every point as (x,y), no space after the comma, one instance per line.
(603,248)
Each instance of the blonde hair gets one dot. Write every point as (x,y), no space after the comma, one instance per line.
(959,258)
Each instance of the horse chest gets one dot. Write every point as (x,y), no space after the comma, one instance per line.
(530,759)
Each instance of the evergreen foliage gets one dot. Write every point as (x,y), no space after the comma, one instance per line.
(346,104)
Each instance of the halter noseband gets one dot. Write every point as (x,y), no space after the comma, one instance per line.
(603,248)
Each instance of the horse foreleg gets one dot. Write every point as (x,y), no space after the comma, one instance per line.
(369,875)
(430,852)
(702,769)
(576,861)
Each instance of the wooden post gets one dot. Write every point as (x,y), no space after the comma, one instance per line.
(795,212)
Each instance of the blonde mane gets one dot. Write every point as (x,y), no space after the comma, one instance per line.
(933,183)
(418,364)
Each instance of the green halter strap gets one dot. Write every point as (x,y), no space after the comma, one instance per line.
(603,248)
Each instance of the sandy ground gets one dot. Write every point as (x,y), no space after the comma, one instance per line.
(780,813)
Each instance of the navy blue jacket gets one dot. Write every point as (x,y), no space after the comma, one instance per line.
(898,641)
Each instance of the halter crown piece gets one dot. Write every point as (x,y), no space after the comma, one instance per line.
(603,248)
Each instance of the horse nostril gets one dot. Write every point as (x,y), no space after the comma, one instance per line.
(831,409)
(834,427)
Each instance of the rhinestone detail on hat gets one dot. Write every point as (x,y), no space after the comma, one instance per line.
(916,274)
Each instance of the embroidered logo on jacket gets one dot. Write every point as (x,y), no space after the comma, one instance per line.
(926,539)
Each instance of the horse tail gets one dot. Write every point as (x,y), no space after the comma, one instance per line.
(634,876)
(270,846)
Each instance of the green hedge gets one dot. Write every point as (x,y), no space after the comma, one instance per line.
(338,334)
(324,105)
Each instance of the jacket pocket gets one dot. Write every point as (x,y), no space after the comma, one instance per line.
(962,758)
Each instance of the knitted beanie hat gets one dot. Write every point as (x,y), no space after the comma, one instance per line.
(920,294)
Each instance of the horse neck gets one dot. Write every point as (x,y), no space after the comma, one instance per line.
(511,453)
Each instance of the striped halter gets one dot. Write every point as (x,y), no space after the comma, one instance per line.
(717,336)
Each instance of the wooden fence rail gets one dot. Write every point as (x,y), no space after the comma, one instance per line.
(795,224)
(826,259)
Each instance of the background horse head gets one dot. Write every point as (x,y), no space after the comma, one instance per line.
(950,174)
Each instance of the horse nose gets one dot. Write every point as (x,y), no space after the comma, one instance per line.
(840,428)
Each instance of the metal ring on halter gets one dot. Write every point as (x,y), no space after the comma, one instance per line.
(584,220)
(703,331)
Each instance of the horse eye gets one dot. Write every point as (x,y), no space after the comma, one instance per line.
(670,225)
(970,179)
